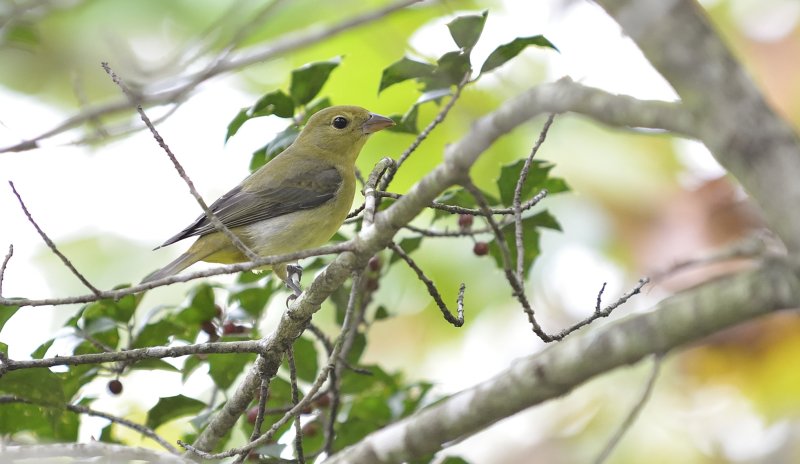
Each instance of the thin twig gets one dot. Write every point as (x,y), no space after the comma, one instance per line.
(78,409)
(516,285)
(298,429)
(455,209)
(428,129)
(634,412)
(138,354)
(52,245)
(186,277)
(383,168)
(178,87)
(212,218)
(457,321)
(298,408)
(517,202)
(750,247)
(3,266)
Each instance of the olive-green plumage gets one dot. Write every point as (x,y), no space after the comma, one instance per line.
(295,202)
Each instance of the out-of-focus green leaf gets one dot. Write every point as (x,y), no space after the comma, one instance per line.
(450,70)
(382,313)
(530,239)
(403,70)
(357,349)
(466,30)
(276,102)
(254,299)
(406,123)
(225,368)
(39,385)
(308,80)
(508,51)
(305,359)
(154,364)
(313,107)
(156,333)
(431,95)
(39,353)
(408,245)
(201,308)
(172,407)
(275,147)
(536,180)
(5,314)
(237,122)
(106,435)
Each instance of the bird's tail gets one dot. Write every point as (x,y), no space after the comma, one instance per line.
(180,263)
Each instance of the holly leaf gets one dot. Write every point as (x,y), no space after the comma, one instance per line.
(403,70)
(308,80)
(505,52)
(466,30)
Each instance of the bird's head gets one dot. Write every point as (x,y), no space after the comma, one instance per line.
(341,130)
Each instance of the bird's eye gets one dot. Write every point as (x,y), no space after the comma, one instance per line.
(340,122)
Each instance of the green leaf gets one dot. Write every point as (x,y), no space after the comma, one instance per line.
(536,180)
(156,333)
(305,359)
(274,148)
(40,385)
(277,103)
(466,30)
(436,94)
(106,435)
(308,80)
(508,51)
(450,70)
(254,299)
(455,460)
(201,308)
(5,314)
(236,123)
(403,70)
(381,313)
(315,106)
(39,353)
(408,245)
(530,239)
(406,123)
(172,407)
(154,364)
(357,349)
(225,368)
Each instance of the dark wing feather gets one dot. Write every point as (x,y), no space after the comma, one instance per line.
(240,207)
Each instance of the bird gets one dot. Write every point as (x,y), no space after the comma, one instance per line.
(297,201)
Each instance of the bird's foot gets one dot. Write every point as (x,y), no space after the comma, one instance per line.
(294,272)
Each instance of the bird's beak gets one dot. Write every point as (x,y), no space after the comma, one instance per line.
(375,123)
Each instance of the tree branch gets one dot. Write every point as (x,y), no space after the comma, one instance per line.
(673,323)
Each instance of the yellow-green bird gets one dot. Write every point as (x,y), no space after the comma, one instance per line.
(295,202)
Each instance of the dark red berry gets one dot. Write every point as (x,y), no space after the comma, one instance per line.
(480,248)
(115,386)
(252,414)
(310,429)
(230,327)
(323,401)
(465,221)
(374,264)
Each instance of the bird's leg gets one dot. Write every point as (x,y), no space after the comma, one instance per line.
(293,276)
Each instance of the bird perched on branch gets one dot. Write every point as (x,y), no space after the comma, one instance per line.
(295,202)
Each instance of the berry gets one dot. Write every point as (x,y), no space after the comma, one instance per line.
(230,327)
(252,414)
(481,248)
(374,263)
(115,386)
(465,221)
(310,429)
(323,401)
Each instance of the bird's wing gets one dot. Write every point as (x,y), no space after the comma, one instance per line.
(241,207)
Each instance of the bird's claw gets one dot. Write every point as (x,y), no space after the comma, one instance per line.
(294,274)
